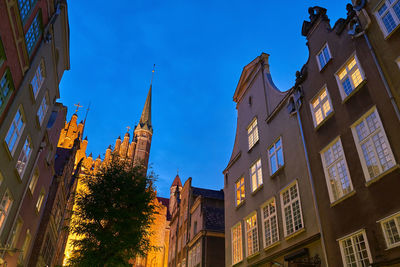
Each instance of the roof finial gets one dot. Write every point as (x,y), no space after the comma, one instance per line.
(152,75)
(77,107)
(177,171)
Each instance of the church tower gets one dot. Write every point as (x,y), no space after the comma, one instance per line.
(175,191)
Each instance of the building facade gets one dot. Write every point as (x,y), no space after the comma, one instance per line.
(197,226)
(34,53)
(351,133)
(270,212)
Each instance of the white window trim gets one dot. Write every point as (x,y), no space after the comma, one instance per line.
(245,233)
(313,109)
(362,231)
(295,182)
(264,219)
(241,242)
(379,18)
(257,176)
(321,51)
(382,221)
(340,86)
(325,166)
(252,133)
(269,156)
(368,178)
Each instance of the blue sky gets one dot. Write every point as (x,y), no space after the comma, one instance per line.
(200,49)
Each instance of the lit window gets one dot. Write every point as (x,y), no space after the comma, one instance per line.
(24,157)
(15,131)
(6,89)
(41,113)
(270,223)
(321,106)
(40,201)
(391,230)
(237,249)
(291,209)
(33,33)
(239,189)
(5,207)
(323,56)
(372,145)
(37,80)
(194,259)
(336,170)
(33,181)
(388,15)
(25,8)
(355,250)
(349,77)
(25,247)
(251,234)
(275,155)
(256,175)
(252,132)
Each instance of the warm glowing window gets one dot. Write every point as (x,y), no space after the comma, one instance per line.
(237,245)
(256,175)
(33,181)
(355,250)
(291,209)
(252,133)
(336,170)
(270,223)
(372,145)
(323,56)
(275,155)
(349,77)
(25,247)
(251,234)
(391,230)
(321,106)
(39,202)
(15,131)
(388,15)
(5,207)
(239,190)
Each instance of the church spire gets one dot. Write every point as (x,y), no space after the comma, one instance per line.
(145,119)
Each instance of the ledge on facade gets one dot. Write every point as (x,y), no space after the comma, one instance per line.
(377,178)
(257,189)
(302,230)
(241,204)
(253,255)
(278,171)
(358,88)
(277,243)
(343,198)
(316,128)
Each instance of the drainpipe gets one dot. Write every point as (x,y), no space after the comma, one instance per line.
(297,105)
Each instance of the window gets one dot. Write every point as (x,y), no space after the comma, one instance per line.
(323,56)
(349,77)
(239,189)
(194,228)
(336,171)
(40,201)
(33,33)
(25,247)
(388,15)
(15,234)
(2,53)
(251,234)
(275,156)
(252,133)
(41,113)
(34,180)
(5,207)
(237,249)
(391,230)
(25,7)
(23,157)
(270,223)
(256,175)
(15,131)
(48,250)
(372,145)
(291,209)
(38,79)
(321,106)
(194,259)
(6,89)
(355,250)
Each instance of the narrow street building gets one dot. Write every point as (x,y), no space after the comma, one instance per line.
(197,226)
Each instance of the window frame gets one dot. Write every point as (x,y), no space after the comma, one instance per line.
(334,162)
(34,33)
(255,250)
(321,51)
(390,10)
(320,106)
(41,113)
(359,143)
(40,200)
(19,132)
(396,218)
(270,218)
(30,7)
(239,242)
(5,211)
(10,85)
(24,154)
(252,133)
(283,205)
(25,245)
(348,74)
(342,252)
(242,184)
(259,178)
(276,154)
(38,79)
(3,56)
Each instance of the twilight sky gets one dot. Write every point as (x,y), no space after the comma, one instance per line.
(200,49)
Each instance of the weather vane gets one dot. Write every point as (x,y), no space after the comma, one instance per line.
(77,107)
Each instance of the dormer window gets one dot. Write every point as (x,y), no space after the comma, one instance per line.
(252,133)
(323,57)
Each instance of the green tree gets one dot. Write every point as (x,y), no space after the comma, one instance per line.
(113,216)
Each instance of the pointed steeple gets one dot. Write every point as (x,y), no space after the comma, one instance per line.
(145,119)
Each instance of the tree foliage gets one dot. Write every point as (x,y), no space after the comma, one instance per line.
(113,216)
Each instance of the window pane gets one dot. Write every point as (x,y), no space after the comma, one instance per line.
(389,22)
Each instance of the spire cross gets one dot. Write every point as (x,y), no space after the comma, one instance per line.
(128,127)
(77,107)
(152,75)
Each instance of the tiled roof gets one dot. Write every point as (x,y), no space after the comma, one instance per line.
(214,219)
(208,193)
